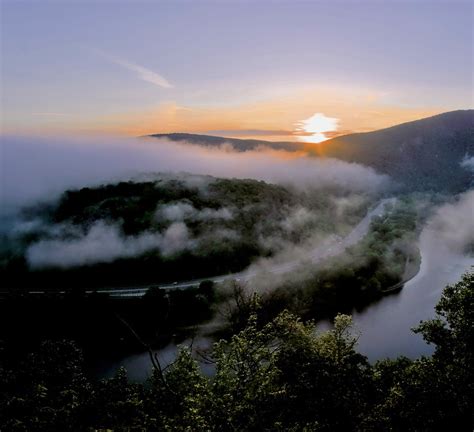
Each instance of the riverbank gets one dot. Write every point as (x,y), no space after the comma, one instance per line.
(412,268)
(385,326)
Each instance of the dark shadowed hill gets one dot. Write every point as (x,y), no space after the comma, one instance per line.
(423,155)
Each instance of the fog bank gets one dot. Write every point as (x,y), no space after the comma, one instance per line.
(35,169)
(454,223)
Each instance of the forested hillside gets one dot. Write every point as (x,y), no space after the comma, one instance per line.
(423,155)
(168,228)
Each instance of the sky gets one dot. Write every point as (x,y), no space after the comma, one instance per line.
(277,70)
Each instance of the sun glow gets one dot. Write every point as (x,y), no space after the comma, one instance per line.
(315,128)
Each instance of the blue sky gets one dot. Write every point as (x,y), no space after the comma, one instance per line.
(97,65)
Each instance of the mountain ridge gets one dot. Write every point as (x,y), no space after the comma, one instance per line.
(238,143)
(424,154)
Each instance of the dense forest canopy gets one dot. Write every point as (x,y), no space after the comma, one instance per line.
(278,376)
(168,228)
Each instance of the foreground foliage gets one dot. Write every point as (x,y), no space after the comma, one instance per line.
(281,376)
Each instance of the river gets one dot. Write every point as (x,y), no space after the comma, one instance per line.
(385,327)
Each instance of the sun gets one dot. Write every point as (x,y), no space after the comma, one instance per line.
(315,128)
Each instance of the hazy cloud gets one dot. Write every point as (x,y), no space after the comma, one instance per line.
(298,219)
(454,222)
(104,243)
(41,168)
(180,211)
(468,163)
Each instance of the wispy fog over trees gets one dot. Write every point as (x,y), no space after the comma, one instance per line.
(169,228)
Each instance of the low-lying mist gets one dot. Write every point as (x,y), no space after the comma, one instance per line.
(105,243)
(36,169)
(39,170)
(454,223)
(181,216)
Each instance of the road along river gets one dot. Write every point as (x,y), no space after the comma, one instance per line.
(138,365)
(384,326)
(333,247)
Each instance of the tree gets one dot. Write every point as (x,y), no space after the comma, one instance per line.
(326,382)
(279,375)
(435,393)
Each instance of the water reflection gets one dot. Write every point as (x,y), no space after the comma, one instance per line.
(139,366)
(385,326)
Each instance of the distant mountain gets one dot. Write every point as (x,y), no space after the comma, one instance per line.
(423,155)
(238,144)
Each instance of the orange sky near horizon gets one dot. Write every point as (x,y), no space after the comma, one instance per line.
(276,119)
(286,71)
(273,119)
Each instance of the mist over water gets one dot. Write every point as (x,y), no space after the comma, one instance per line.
(386,326)
(41,169)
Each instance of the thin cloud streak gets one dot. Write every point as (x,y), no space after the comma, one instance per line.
(142,72)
